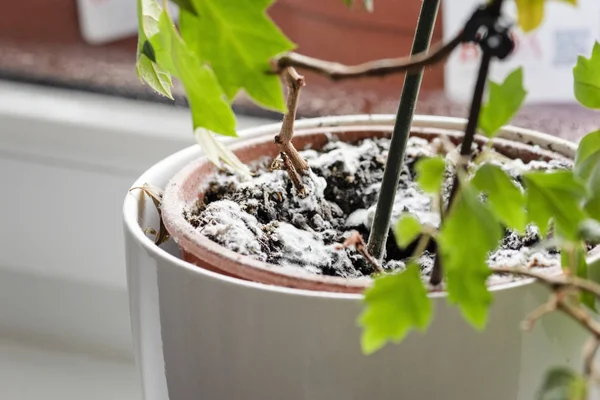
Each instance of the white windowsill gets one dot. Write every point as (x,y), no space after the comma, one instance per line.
(67,159)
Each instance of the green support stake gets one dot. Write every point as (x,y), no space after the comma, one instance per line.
(406,110)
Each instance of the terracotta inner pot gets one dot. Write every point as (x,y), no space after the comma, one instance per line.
(187,188)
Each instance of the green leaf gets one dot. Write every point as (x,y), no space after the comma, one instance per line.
(563,384)
(504,101)
(588,154)
(239,41)
(430,174)
(505,198)
(186,5)
(555,196)
(210,109)
(217,151)
(531,13)
(574,259)
(586,74)
(367,4)
(146,68)
(395,304)
(157,78)
(469,233)
(592,202)
(589,231)
(407,229)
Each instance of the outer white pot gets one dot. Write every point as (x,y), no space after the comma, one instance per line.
(200,335)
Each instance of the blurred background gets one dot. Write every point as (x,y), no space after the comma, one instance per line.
(77,128)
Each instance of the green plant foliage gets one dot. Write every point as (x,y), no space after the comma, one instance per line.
(367,4)
(555,196)
(210,109)
(505,198)
(469,233)
(147,69)
(588,154)
(592,202)
(395,304)
(586,74)
(563,384)
(505,99)
(186,5)
(531,13)
(406,230)
(573,257)
(238,40)
(430,174)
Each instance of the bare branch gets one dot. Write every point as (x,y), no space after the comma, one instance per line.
(293,174)
(294,82)
(539,312)
(356,240)
(589,354)
(336,71)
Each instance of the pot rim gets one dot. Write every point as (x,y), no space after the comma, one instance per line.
(557,145)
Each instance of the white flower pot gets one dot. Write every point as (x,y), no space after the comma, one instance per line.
(202,335)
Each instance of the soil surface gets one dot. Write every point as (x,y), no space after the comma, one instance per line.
(266,219)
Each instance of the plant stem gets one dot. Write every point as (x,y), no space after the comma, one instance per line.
(294,82)
(336,71)
(465,148)
(406,108)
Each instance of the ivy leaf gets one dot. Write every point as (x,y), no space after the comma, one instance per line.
(575,260)
(407,229)
(469,233)
(563,384)
(146,68)
(368,4)
(395,304)
(588,154)
(210,109)
(505,198)
(592,203)
(238,40)
(586,74)
(589,231)
(531,13)
(504,101)
(430,174)
(186,5)
(555,196)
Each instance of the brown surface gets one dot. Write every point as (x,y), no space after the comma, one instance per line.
(40,42)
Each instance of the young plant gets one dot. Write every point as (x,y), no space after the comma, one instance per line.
(223,47)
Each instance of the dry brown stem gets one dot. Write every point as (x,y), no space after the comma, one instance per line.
(336,71)
(356,240)
(294,83)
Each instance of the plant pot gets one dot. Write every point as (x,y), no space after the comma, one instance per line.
(202,334)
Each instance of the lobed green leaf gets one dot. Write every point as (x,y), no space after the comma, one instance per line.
(406,230)
(586,74)
(238,40)
(507,200)
(505,99)
(430,174)
(395,304)
(531,13)
(574,259)
(469,233)
(555,196)
(146,68)
(563,384)
(209,106)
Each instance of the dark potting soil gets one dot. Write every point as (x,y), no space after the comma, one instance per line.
(264,218)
